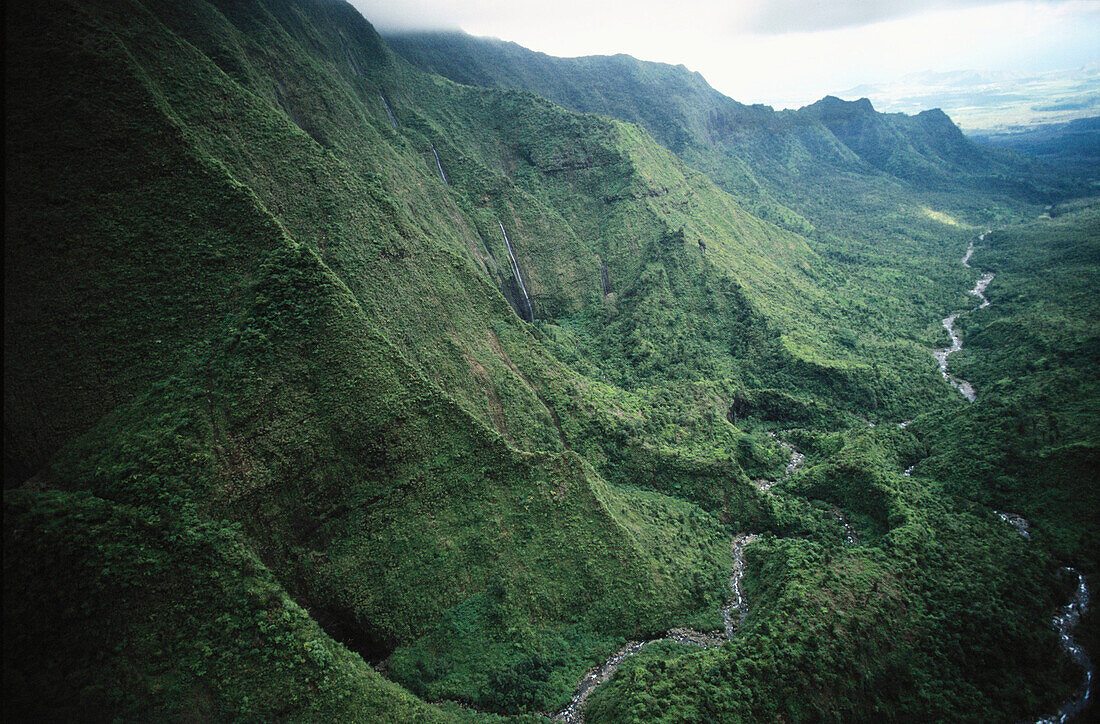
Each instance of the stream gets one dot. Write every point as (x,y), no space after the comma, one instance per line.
(948,322)
(1067,618)
(733,615)
(1064,622)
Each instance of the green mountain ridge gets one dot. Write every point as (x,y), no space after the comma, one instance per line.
(721,136)
(283,440)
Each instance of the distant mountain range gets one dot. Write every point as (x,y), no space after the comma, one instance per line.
(722,137)
(1073,145)
(355,379)
(992,102)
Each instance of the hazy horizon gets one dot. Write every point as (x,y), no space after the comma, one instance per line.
(790,53)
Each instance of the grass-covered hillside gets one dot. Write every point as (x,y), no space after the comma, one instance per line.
(337,389)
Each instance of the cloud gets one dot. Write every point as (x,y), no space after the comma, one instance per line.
(774,17)
(406,15)
(798,50)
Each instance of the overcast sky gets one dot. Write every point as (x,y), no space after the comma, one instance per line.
(784,53)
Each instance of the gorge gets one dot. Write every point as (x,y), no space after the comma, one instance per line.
(423,377)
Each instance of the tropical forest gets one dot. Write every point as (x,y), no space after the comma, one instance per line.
(422,377)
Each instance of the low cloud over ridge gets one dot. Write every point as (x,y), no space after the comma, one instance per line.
(807,16)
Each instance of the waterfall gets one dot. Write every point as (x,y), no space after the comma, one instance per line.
(388,111)
(440,166)
(605,280)
(519,277)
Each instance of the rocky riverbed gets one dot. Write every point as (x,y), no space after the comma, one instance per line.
(733,615)
(1065,622)
(948,322)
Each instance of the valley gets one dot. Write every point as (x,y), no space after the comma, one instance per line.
(428,378)
(941,355)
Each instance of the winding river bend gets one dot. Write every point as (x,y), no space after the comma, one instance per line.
(1067,618)
(733,615)
(1064,622)
(948,322)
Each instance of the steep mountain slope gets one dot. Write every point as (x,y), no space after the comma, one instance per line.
(843,175)
(277,400)
(716,133)
(359,365)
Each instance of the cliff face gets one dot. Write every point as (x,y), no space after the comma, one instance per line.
(724,138)
(315,359)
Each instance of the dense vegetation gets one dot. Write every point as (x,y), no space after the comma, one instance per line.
(1073,145)
(297,427)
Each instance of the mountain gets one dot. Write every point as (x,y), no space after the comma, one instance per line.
(690,118)
(337,389)
(1074,145)
(988,103)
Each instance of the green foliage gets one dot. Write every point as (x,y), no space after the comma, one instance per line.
(165,617)
(270,398)
(859,633)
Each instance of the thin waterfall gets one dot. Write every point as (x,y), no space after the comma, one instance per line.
(440,166)
(519,278)
(388,111)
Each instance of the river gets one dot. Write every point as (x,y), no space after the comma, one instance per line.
(1064,622)
(1068,617)
(948,322)
(733,615)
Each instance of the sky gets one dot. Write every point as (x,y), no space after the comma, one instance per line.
(785,53)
